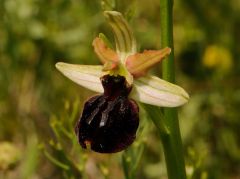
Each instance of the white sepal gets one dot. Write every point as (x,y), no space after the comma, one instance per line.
(155,91)
(87,76)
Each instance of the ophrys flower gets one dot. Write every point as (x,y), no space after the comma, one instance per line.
(109,121)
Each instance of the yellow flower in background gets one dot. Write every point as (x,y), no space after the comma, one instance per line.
(218,57)
(9,155)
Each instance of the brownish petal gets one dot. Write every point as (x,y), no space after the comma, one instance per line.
(104,53)
(139,63)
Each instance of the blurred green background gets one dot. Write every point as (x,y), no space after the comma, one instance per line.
(39,107)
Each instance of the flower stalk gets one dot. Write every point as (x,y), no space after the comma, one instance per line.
(172,143)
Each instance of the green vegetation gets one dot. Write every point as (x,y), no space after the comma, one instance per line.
(39,107)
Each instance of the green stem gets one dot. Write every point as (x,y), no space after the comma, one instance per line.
(172,143)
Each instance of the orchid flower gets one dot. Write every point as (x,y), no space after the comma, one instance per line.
(122,77)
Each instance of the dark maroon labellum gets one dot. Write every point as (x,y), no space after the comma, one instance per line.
(109,121)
